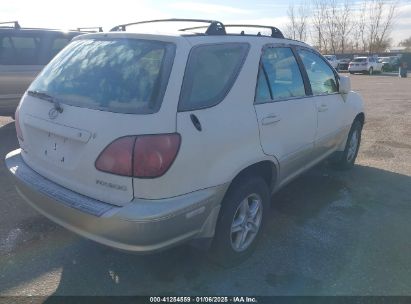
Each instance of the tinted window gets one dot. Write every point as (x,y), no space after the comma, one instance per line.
(210,73)
(19,50)
(116,75)
(263,91)
(320,74)
(57,45)
(279,76)
(360,60)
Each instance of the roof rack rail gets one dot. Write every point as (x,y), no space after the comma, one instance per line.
(215,27)
(90,29)
(275,32)
(15,23)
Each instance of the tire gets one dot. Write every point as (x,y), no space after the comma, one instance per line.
(229,248)
(347,158)
(351,73)
(371,71)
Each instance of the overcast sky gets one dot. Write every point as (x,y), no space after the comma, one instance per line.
(82,13)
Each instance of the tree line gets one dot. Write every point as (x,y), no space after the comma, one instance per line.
(346,26)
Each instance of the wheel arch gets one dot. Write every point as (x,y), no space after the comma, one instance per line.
(360,117)
(267,169)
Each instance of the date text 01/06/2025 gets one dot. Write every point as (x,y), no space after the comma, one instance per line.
(209,299)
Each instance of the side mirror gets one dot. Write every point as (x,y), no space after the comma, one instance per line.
(345,84)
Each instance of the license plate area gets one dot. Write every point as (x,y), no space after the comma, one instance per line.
(55,148)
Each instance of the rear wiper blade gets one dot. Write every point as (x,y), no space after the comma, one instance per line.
(45,96)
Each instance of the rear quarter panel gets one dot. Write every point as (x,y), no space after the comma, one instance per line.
(229,141)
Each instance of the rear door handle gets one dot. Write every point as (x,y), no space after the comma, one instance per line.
(270,119)
(322,108)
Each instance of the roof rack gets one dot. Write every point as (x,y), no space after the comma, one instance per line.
(215,27)
(92,29)
(16,24)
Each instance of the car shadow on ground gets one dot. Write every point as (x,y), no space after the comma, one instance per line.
(324,236)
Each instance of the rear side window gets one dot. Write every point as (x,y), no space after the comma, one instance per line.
(57,45)
(210,73)
(321,76)
(116,75)
(19,50)
(279,76)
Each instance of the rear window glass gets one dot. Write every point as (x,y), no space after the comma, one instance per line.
(116,75)
(360,60)
(19,50)
(210,74)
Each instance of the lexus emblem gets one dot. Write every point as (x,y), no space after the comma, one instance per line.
(53,113)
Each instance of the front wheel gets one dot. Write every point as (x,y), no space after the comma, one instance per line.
(347,159)
(241,221)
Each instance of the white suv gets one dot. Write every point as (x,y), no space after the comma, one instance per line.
(142,141)
(367,65)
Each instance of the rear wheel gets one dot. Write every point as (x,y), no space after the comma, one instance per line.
(241,221)
(371,71)
(346,159)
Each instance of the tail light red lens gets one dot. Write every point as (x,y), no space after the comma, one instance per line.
(117,157)
(17,123)
(154,154)
(145,156)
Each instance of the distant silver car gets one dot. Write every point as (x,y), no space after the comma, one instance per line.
(332,59)
(23,53)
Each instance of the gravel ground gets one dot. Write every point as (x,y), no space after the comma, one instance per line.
(330,233)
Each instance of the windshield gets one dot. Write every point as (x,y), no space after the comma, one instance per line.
(360,60)
(116,75)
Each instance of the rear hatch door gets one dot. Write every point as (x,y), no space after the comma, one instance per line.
(94,92)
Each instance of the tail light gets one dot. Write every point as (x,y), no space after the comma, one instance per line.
(145,156)
(17,123)
(117,157)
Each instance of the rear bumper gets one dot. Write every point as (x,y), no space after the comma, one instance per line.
(141,225)
(358,69)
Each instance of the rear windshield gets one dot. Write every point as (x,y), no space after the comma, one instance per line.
(360,60)
(116,75)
